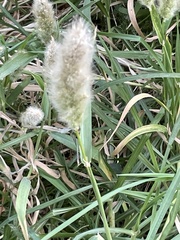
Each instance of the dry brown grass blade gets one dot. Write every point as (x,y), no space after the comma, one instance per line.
(8,119)
(84,175)
(15,155)
(151,39)
(132,16)
(5,168)
(29,88)
(2,199)
(107,40)
(66,180)
(48,170)
(34,217)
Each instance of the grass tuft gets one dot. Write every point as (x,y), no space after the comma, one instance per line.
(131,133)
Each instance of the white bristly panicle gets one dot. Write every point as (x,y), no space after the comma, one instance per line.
(52,56)
(147,3)
(68,72)
(44,20)
(168,8)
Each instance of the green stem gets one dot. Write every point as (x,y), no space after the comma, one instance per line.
(98,197)
(95,187)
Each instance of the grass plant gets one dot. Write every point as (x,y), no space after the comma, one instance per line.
(118,177)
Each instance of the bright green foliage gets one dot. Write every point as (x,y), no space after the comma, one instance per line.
(128,185)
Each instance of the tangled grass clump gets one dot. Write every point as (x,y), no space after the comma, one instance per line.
(117,175)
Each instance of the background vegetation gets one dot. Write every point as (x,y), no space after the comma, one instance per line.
(135,129)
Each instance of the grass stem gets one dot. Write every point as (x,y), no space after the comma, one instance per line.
(95,187)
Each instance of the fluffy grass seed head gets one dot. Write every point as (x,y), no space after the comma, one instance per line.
(147,3)
(51,58)
(32,116)
(168,8)
(69,75)
(44,20)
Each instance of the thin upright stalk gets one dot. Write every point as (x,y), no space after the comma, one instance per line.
(87,164)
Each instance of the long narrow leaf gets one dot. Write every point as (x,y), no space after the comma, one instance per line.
(91,206)
(139,131)
(86,133)
(21,202)
(166,203)
(17,140)
(18,60)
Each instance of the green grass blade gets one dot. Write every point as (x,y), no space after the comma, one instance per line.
(21,202)
(65,196)
(165,205)
(87,10)
(157,24)
(64,139)
(173,214)
(18,90)
(82,11)
(86,132)
(130,54)
(101,230)
(176,238)
(177,61)
(91,206)
(16,26)
(17,140)
(137,132)
(172,137)
(20,59)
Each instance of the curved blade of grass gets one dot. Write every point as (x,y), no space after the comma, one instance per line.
(134,100)
(132,16)
(21,202)
(101,230)
(38,79)
(137,132)
(121,133)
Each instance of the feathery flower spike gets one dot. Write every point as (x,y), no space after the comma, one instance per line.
(168,8)
(52,56)
(147,3)
(69,74)
(44,20)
